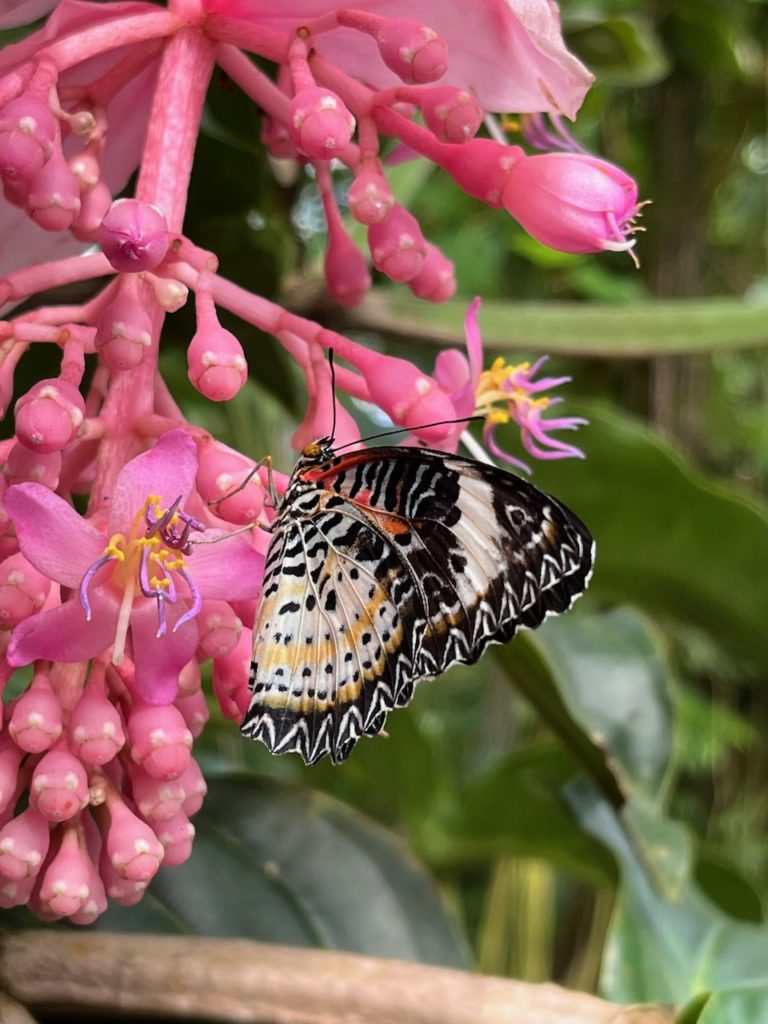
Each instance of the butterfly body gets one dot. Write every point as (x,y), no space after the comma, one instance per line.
(387,566)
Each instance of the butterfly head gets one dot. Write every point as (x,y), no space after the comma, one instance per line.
(318,451)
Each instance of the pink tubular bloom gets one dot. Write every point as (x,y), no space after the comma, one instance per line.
(573,202)
(144,585)
(50,415)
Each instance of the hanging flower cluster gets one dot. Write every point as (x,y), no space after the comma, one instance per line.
(115,610)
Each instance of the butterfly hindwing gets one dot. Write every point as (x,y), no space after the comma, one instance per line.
(387,566)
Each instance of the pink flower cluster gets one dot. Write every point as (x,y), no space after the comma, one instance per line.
(116,610)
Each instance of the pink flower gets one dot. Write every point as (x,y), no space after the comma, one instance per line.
(573,202)
(145,585)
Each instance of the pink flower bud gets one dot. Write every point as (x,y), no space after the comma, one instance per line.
(408,396)
(412,50)
(134,236)
(320,124)
(93,205)
(230,680)
(222,471)
(195,788)
(59,787)
(398,248)
(177,836)
(370,197)
(160,740)
(96,903)
(85,167)
(132,847)
(436,281)
(95,727)
(170,293)
(572,201)
(346,269)
(216,362)
(24,844)
(23,590)
(27,134)
(194,710)
(37,467)
(219,629)
(124,891)
(124,330)
(156,799)
(36,724)
(50,415)
(10,759)
(189,679)
(16,894)
(53,196)
(65,883)
(452,115)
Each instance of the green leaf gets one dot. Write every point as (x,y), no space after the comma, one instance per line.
(667,942)
(668,538)
(283,864)
(636,330)
(611,672)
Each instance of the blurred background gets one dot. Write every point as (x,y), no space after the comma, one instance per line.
(589,804)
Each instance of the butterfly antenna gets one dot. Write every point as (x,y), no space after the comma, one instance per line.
(415,430)
(333,393)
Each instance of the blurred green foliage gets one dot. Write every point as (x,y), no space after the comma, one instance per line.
(591,800)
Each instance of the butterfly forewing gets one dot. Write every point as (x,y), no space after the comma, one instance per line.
(388,565)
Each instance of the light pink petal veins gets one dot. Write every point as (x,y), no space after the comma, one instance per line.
(168,470)
(229,569)
(55,539)
(63,634)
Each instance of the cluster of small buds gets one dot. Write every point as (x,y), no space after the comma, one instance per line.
(116,610)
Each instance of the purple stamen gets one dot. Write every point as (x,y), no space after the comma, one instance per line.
(158,525)
(197,600)
(85,582)
(146,589)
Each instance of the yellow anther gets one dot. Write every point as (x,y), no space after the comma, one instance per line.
(112,548)
(159,583)
(497,416)
(177,563)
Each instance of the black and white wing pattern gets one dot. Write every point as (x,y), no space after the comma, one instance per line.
(388,565)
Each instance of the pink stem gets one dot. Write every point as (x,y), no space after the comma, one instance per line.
(266,42)
(23,283)
(173,124)
(253,82)
(136,28)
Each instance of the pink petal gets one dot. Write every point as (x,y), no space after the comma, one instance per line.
(62,634)
(159,660)
(474,341)
(23,12)
(451,370)
(509,53)
(228,570)
(167,470)
(55,539)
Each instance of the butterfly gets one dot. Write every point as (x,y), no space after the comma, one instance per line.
(386,566)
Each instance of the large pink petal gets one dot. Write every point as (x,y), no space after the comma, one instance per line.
(158,660)
(167,470)
(509,52)
(55,539)
(63,634)
(228,570)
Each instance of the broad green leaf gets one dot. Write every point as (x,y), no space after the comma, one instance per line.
(668,538)
(667,942)
(611,673)
(283,864)
(636,330)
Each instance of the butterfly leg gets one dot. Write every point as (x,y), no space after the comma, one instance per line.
(274,498)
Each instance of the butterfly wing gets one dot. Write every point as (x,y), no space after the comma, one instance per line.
(410,561)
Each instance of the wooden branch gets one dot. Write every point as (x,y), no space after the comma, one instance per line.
(237,980)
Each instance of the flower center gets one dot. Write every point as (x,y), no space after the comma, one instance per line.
(510,386)
(147,560)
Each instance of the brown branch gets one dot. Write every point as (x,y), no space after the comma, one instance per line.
(238,980)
